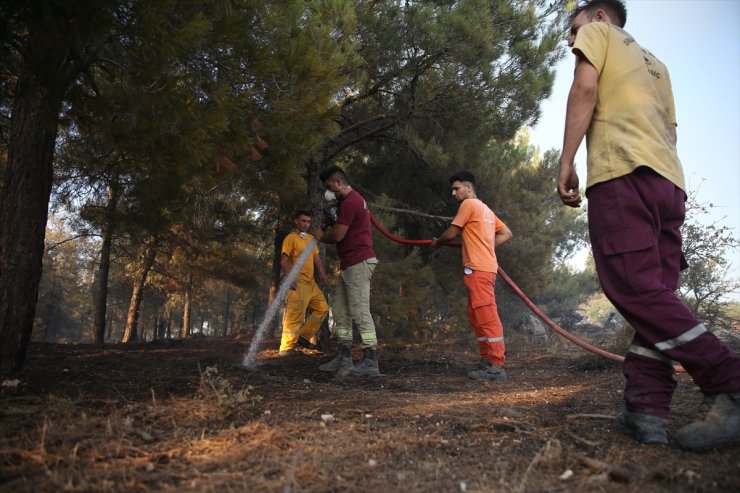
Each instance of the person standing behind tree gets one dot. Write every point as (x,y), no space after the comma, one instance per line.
(481,233)
(621,98)
(353,236)
(298,327)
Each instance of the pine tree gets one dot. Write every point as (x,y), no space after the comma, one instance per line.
(44,58)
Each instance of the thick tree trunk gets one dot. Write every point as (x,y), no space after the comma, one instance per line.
(130,334)
(101,290)
(23,211)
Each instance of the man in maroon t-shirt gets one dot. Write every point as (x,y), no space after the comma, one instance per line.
(354,238)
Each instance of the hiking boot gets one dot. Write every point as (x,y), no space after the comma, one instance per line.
(720,423)
(489,372)
(288,352)
(305,343)
(645,428)
(342,360)
(368,367)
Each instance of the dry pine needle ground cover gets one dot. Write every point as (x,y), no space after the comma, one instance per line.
(154,417)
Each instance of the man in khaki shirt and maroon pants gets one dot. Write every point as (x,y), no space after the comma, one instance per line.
(621,99)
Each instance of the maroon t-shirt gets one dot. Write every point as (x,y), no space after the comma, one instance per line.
(357,244)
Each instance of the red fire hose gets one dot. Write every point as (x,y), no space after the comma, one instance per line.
(524,298)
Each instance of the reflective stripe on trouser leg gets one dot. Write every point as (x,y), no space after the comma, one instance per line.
(483,316)
(340,311)
(356,281)
(319,310)
(634,224)
(650,371)
(649,381)
(714,367)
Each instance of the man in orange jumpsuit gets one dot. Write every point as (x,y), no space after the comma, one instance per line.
(481,233)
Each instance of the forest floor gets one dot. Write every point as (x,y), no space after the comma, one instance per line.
(151,417)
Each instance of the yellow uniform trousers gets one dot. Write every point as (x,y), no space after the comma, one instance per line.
(296,322)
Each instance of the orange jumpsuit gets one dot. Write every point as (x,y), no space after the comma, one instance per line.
(479,226)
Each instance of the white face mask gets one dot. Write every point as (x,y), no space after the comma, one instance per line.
(330,196)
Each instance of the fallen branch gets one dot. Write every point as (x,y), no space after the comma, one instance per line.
(581,440)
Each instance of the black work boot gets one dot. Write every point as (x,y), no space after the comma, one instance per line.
(305,343)
(487,371)
(645,428)
(342,360)
(368,367)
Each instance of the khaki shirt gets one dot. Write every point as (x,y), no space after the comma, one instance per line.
(633,120)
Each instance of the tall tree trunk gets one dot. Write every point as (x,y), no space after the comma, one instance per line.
(227,310)
(162,326)
(187,308)
(101,290)
(130,333)
(81,327)
(315,198)
(280,234)
(157,324)
(51,317)
(24,205)
(110,328)
(48,311)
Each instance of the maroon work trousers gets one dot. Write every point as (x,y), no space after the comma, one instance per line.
(634,224)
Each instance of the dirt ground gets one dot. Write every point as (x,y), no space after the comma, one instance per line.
(151,417)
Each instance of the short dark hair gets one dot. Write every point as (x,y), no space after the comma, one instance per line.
(463,176)
(301,212)
(615,8)
(332,172)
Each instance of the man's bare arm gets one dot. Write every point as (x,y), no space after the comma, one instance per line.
(580,110)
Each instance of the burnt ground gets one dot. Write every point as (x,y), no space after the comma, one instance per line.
(150,417)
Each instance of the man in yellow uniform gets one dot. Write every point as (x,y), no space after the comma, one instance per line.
(298,327)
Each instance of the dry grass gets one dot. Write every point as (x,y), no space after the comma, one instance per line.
(421,427)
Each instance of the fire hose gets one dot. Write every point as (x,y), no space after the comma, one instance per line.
(562,332)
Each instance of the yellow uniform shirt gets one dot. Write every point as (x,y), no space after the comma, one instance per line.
(293,246)
(634,115)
